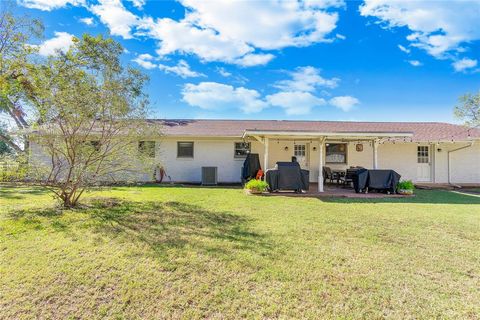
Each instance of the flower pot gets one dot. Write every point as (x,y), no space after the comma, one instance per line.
(252,191)
(406,192)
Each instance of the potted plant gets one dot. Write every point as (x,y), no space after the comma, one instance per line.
(256,186)
(405,187)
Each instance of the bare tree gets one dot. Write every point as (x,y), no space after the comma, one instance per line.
(92,115)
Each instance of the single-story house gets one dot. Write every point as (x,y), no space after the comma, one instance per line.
(425,152)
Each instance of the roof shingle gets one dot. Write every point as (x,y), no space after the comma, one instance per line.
(422,131)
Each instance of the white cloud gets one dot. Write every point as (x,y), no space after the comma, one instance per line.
(439,28)
(119,20)
(415,63)
(295,102)
(61,42)
(346,103)
(402,48)
(145,60)
(182,69)
(48,5)
(265,24)
(253,59)
(181,37)
(340,36)
(138,3)
(464,64)
(223,72)
(218,96)
(306,79)
(212,33)
(88,21)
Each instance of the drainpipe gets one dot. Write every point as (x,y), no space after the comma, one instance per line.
(448,158)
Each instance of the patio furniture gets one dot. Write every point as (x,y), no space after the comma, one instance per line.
(328,174)
(348,178)
(287,176)
(360,180)
(383,180)
(251,166)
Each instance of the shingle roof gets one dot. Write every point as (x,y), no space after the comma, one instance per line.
(422,131)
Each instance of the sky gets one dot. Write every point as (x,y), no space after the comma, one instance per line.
(372,60)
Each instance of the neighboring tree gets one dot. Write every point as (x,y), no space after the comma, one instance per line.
(469,109)
(91,112)
(15,64)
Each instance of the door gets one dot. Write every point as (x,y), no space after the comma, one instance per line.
(300,151)
(424,169)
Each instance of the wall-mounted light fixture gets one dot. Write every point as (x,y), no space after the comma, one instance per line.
(314,148)
(286,148)
(439,150)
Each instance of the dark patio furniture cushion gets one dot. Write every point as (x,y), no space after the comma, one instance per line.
(384,180)
(288,176)
(360,179)
(251,165)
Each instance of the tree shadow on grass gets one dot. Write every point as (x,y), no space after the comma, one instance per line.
(12,192)
(159,225)
(166,225)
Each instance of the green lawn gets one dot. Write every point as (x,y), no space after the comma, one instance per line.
(168,252)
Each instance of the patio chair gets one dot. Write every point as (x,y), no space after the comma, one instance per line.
(328,174)
(347,179)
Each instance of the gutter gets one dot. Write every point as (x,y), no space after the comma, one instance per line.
(448,157)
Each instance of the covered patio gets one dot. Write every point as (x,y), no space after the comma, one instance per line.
(316,150)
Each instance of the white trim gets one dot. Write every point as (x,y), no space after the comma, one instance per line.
(326,134)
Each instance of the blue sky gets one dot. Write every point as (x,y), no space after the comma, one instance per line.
(315,60)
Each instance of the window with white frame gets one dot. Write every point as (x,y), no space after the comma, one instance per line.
(299,150)
(422,154)
(242,149)
(336,153)
(184,149)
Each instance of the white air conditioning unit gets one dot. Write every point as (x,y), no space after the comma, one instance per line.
(209,176)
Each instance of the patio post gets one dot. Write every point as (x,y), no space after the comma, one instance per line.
(320,164)
(375,154)
(265,154)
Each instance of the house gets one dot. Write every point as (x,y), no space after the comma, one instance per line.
(427,152)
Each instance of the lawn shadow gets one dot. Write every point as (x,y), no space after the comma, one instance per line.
(421,197)
(166,225)
(9,191)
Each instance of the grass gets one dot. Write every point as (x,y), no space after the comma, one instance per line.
(154,252)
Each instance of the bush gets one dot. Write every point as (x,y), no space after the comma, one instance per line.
(406,185)
(12,169)
(256,185)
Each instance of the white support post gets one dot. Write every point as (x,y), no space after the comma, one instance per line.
(320,164)
(265,154)
(375,154)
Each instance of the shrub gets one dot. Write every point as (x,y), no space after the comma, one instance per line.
(256,185)
(406,185)
(12,169)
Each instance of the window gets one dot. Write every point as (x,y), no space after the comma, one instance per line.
(184,149)
(241,149)
(299,150)
(147,148)
(336,153)
(422,154)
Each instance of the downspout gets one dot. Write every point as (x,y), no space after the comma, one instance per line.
(448,157)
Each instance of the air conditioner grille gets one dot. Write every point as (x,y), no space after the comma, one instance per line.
(209,176)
